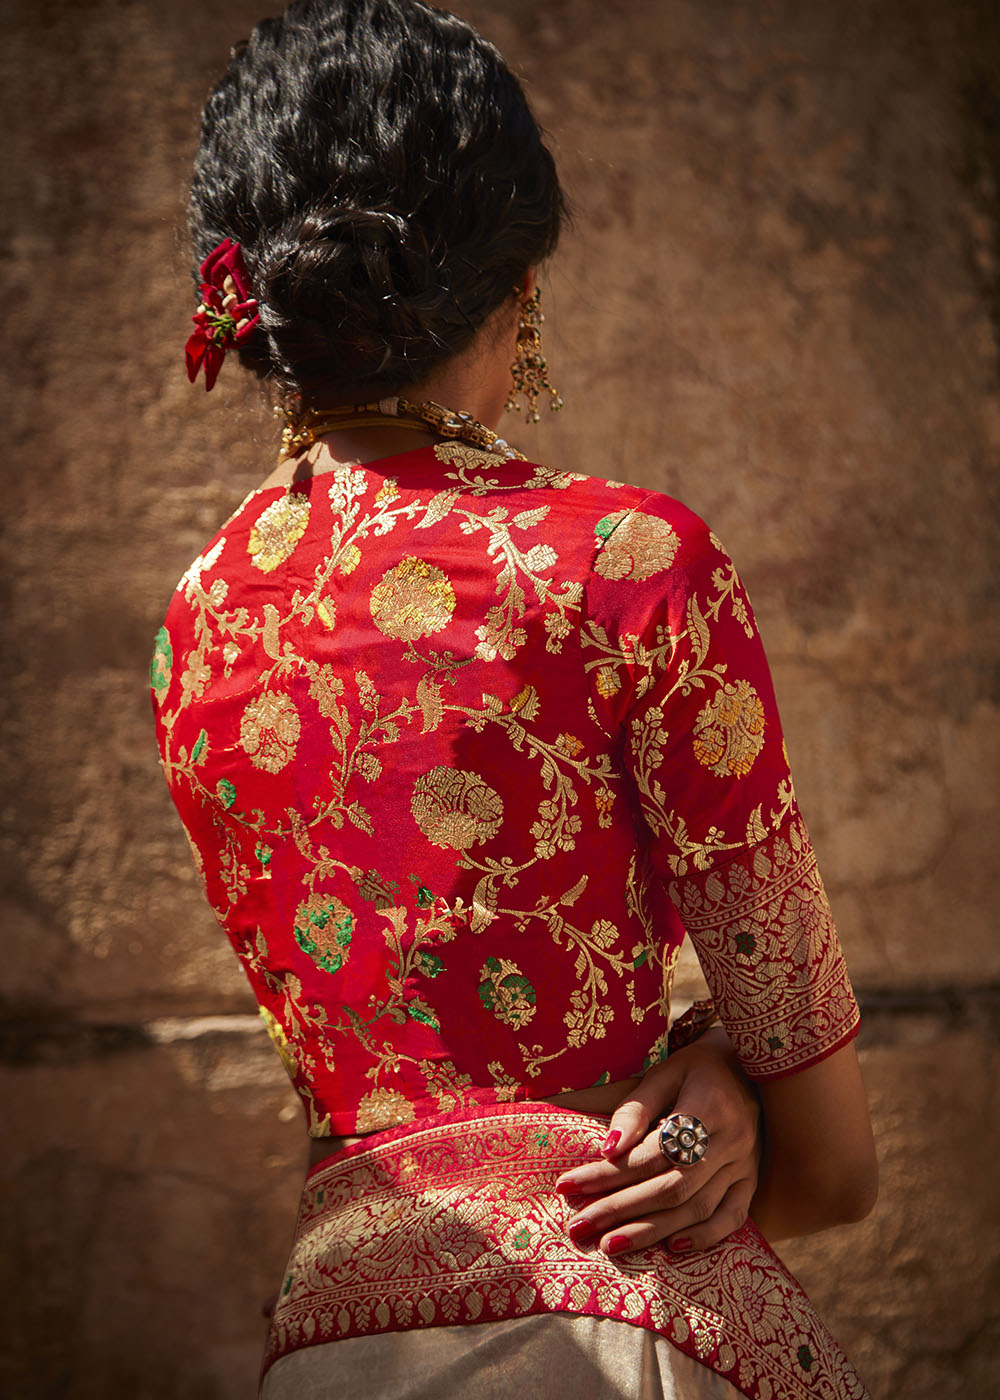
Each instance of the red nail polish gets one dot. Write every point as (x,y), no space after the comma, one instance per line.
(679,1246)
(580,1230)
(618,1244)
(567,1187)
(612,1141)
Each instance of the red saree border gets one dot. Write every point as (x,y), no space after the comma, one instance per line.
(454,1220)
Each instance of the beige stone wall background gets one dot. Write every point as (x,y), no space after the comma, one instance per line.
(780,302)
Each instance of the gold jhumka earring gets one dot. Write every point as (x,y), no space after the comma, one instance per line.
(530,369)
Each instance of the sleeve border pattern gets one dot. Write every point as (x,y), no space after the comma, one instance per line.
(764,934)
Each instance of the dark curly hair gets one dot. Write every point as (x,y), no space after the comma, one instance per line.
(379,165)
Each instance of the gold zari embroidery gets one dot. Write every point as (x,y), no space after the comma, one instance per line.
(765,938)
(457,1221)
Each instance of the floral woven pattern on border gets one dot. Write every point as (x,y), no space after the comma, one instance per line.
(766,940)
(454,1220)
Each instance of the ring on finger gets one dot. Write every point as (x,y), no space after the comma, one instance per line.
(683,1139)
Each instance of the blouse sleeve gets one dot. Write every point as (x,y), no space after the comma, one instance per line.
(678,671)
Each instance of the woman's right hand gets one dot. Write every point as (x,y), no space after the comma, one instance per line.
(637,1198)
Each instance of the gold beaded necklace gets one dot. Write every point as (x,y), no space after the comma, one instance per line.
(302,429)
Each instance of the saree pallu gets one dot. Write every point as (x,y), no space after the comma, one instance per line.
(454,1221)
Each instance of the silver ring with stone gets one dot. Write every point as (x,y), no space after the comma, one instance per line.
(683,1139)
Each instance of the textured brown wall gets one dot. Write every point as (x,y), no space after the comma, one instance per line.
(776,304)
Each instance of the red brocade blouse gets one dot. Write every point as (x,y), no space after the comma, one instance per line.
(462,746)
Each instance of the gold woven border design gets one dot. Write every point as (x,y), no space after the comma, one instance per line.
(765,938)
(455,1220)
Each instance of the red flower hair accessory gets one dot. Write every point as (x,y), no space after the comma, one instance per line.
(227,314)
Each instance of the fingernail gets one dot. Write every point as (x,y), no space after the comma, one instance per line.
(580,1230)
(612,1141)
(567,1187)
(618,1244)
(679,1246)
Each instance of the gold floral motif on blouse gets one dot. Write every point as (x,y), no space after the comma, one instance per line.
(382,1108)
(729,730)
(270,730)
(414,599)
(277,531)
(455,808)
(637,546)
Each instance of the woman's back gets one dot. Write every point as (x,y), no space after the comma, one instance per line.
(461,743)
(413,718)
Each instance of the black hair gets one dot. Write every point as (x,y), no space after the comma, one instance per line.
(380,166)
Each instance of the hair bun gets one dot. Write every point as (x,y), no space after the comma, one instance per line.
(387,182)
(351,293)
(345,249)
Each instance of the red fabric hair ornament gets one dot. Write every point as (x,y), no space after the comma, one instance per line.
(227,314)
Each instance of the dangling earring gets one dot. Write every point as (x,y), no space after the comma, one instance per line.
(529,369)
